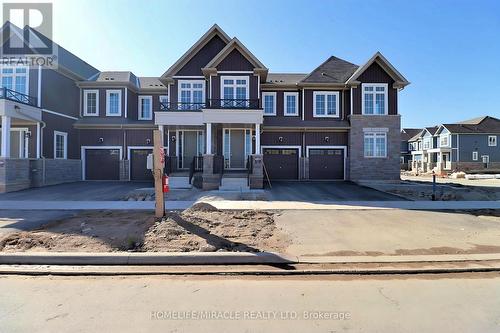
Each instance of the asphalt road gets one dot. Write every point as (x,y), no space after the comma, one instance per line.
(424,303)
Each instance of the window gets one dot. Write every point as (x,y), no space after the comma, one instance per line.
(91,103)
(374,98)
(326,104)
(444,140)
(291,104)
(375,144)
(234,88)
(145,108)
(475,155)
(113,102)
(269,101)
(60,145)
(492,140)
(427,143)
(15,78)
(191,92)
(486,159)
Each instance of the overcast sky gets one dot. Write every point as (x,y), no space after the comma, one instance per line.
(448,50)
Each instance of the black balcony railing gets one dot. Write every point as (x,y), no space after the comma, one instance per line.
(233,103)
(212,104)
(15,96)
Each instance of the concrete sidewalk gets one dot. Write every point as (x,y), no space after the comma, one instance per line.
(243,204)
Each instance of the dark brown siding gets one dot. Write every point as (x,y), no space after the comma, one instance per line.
(289,138)
(61,124)
(59,93)
(139,137)
(235,61)
(280,104)
(376,74)
(203,57)
(102,101)
(319,139)
(112,137)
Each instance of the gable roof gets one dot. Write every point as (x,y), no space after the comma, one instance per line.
(214,30)
(488,125)
(408,133)
(417,136)
(400,81)
(235,44)
(431,130)
(332,70)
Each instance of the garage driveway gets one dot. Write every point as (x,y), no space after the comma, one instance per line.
(79,191)
(325,191)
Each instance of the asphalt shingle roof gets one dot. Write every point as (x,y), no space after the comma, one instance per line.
(486,125)
(284,78)
(333,70)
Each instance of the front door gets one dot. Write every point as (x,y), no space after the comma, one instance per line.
(237,145)
(190,145)
(446,161)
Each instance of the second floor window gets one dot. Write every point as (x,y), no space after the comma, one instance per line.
(374,99)
(427,143)
(191,92)
(444,140)
(15,78)
(113,102)
(145,108)
(291,107)
(492,141)
(269,103)
(326,104)
(234,91)
(91,103)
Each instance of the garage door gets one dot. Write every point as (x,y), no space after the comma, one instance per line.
(102,164)
(138,165)
(281,163)
(326,163)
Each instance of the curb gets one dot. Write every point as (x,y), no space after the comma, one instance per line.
(125,258)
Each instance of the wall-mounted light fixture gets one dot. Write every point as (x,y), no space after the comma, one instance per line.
(172,138)
(148,141)
(327,138)
(253,137)
(27,135)
(101,140)
(280,139)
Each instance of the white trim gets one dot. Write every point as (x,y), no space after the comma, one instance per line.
(386,98)
(475,156)
(38,144)
(264,94)
(59,114)
(494,143)
(39,88)
(337,104)
(65,153)
(14,75)
(85,93)
(303,110)
(21,130)
(229,72)
(485,157)
(139,107)
(188,77)
(177,153)
(179,90)
(82,154)
(344,148)
(281,147)
(246,153)
(108,93)
(351,97)
(285,103)
(126,102)
(234,85)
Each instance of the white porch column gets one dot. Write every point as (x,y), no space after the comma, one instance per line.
(38,136)
(5,149)
(161,129)
(208,135)
(257,138)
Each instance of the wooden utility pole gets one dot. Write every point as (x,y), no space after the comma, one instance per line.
(158,165)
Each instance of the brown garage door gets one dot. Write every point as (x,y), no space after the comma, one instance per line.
(138,165)
(326,164)
(102,164)
(281,163)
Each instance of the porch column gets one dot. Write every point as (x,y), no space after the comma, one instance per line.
(208,135)
(5,149)
(161,129)
(257,139)
(38,136)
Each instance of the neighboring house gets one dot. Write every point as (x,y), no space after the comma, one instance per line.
(406,149)
(222,114)
(462,146)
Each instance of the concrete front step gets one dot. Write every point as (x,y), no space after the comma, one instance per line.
(177,182)
(234,184)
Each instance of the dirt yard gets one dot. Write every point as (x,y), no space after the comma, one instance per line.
(200,228)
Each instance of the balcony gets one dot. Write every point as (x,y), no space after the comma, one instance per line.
(18,97)
(232,104)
